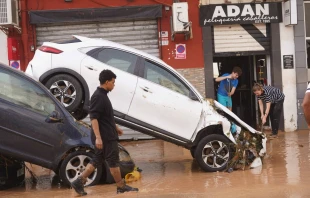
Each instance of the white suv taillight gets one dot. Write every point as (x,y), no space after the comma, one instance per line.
(49,50)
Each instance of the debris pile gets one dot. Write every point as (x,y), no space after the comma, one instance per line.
(246,150)
(248,145)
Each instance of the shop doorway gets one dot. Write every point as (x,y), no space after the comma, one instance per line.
(253,70)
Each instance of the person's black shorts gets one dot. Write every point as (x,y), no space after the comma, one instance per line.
(110,153)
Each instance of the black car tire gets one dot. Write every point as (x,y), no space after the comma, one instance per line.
(73,105)
(192,150)
(75,157)
(79,113)
(126,166)
(205,156)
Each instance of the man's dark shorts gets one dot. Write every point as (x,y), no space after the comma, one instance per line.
(110,153)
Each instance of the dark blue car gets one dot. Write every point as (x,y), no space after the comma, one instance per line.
(36,128)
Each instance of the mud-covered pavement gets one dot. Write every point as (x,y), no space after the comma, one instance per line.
(170,171)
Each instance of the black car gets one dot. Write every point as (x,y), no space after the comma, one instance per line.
(36,128)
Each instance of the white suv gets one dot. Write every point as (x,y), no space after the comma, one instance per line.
(149,96)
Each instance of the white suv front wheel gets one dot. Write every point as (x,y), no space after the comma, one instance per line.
(213,153)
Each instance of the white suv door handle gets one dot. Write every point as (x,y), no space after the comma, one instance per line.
(91,68)
(146,89)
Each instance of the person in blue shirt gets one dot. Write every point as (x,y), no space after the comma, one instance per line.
(227,87)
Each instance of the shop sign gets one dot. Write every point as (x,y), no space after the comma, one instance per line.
(288,61)
(243,13)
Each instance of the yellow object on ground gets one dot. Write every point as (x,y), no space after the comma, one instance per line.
(133,176)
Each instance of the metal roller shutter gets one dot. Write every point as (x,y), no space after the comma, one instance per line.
(241,38)
(142,35)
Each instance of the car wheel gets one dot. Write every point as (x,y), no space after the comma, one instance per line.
(126,166)
(213,153)
(67,90)
(74,165)
(79,114)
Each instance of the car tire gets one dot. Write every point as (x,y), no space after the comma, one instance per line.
(67,90)
(79,113)
(213,153)
(73,166)
(192,150)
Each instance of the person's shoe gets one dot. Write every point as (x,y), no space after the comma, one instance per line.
(126,188)
(273,136)
(78,186)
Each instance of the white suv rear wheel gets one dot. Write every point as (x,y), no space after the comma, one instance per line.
(67,90)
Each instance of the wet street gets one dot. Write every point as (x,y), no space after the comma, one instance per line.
(170,171)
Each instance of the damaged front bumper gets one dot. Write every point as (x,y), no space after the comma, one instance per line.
(243,136)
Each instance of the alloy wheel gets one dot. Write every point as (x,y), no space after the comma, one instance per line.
(76,166)
(64,91)
(215,154)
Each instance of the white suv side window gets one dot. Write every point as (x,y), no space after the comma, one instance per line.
(22,92)
(118,59)
(164,78)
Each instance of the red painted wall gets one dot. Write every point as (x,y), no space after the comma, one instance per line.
(194,56)
(194,50)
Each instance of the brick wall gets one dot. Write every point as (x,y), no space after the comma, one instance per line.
(196,77)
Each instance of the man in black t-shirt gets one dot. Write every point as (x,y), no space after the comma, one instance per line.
(104,135)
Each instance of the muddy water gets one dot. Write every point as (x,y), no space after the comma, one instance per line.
(169,171)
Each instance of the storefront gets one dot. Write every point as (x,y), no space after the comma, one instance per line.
(222,36)
(243,35)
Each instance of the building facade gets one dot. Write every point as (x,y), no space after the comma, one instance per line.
(223,35)
(143,24)
(267,52)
